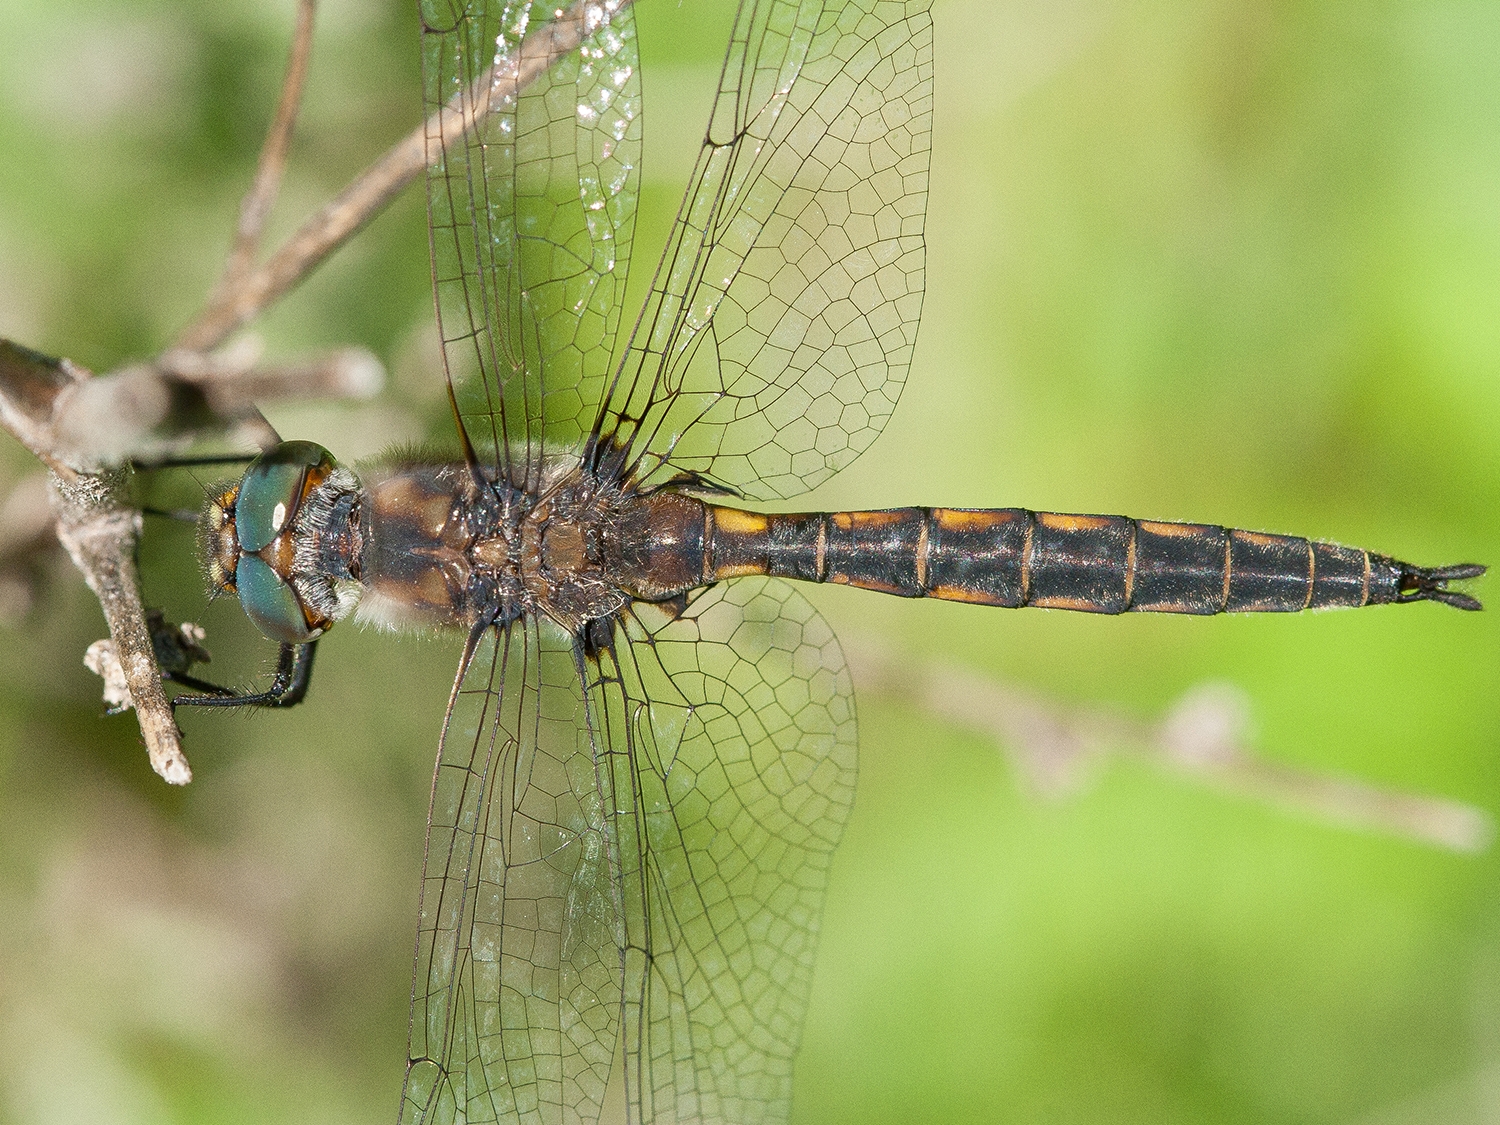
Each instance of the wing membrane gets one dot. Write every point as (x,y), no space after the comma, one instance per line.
(631,850)
(516,990)
(782,318)
(533,147)
(628,848)
(744,761)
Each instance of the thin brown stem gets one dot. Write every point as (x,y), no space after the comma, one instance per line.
(374,188)
(255,208)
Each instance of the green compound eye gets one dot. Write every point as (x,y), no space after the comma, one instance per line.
(272,488)
(269,494)
(271,603)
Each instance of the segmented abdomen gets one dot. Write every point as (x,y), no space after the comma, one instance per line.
(1014,557)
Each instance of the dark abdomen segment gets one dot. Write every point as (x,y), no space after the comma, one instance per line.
(1013,557)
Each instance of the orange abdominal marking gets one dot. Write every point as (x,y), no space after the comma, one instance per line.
(1026,545)
(1061,522)
(739,570)
(1257,538)
(853,521)
(1228,569)
(733,521)
(923,537)
(1081,604)
(968,519)
(1172,530)
(963,594)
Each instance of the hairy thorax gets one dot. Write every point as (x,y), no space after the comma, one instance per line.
(438,549)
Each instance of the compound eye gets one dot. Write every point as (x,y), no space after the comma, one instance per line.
(271,490)
(271,603)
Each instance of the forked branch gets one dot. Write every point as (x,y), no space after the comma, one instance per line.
(83,428)
(254,290)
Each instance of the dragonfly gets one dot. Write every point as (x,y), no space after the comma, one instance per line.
(648,754)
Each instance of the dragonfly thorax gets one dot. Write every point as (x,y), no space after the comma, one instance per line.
(303,541)
(569,545)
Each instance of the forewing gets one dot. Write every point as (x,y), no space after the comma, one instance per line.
(739,717)
(533,145)
(517,984)
(782,318)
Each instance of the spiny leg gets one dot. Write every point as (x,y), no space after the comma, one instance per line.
(288,686)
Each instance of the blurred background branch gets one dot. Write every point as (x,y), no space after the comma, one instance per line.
(1057,751)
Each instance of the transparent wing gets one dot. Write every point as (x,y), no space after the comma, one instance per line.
(516,989)
(781,321)
(533,144)
(741,726)
(634,856)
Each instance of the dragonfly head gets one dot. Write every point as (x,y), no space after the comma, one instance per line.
(265,539)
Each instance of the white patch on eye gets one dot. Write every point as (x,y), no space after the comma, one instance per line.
(278,516)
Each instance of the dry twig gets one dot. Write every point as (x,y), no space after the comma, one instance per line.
(84,427)
(374,188)
(255,208)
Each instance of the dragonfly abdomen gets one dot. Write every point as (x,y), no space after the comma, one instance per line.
(1013,557)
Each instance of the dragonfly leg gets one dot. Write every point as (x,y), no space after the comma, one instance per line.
(197,684)
(288,686)
(192,462)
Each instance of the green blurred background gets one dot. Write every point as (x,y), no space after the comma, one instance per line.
(1230,262)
